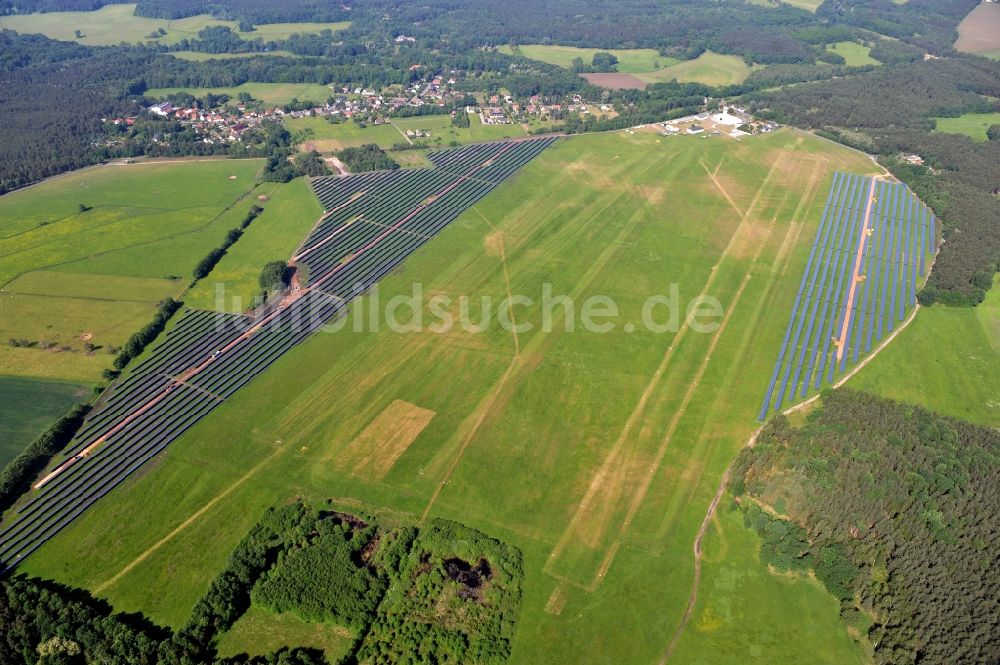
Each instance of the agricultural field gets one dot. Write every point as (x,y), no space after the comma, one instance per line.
(856,55)
(979,32)
(76,283)
(318,134)
(630,61)
(973,125)
(28,407)
(870,256)
(269,93)
(708,68)
(113,24)
(947,360)
(603,490)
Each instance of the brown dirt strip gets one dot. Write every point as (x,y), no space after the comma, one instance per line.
(855,273)
(718,185)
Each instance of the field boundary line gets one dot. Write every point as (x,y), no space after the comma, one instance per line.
(184,525)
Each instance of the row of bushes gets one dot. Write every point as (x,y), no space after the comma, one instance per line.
(17,475)
(140,340)
(206,265)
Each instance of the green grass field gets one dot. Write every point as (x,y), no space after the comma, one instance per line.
(647,65)
(288,216)
(856,55)
(747,614)
(319,134)
(596,454)
(259,632)
(947,360)
(113,24)
(973,125)
(708,68)
(28,407)
(269,93)
(630,61)
(71,278)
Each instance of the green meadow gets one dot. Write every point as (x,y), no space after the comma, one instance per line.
(947,359)
(113,24)
(647,65)
(317,133)
(260,632)
(708,68)
(269,93)
(973,125)
(76,283)
(856,55)
(28,407)
(289,214)
(747,614)
(630,61)
(596,453)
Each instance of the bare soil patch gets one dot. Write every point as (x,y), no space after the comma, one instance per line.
(615,81)
(375,450)
(980,31)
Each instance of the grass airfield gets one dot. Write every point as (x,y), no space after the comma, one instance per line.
(596,454)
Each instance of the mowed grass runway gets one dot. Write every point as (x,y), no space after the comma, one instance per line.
(596,454)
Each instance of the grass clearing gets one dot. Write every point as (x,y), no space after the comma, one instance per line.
(649,420)
(67,273)
(855,54)
(629,60)
(269,93)
(973,125)
(739,596)
(259,632)
(28,407)
(113,24)
(708,68)
(947,360)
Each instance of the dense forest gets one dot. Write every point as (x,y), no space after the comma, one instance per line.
(440,593)
(896,510)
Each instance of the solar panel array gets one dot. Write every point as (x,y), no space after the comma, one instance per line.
(374,221)
(871,249)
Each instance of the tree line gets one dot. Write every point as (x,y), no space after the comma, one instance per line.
(896,510)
